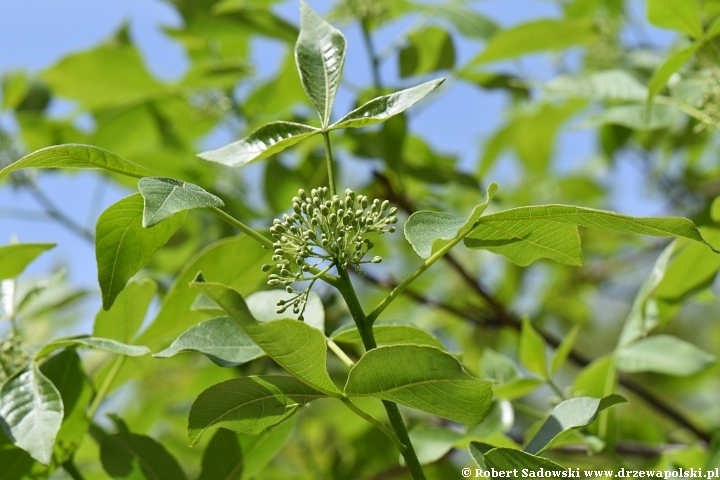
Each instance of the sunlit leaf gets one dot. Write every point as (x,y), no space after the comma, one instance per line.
(680,15)
(532,350)
(564,349)
(320,55)
(298,348)
(14,258)
(572,413)
(609,85)
(429,232)
(537,36)
(247,405)
(672,64)
(468,22)
(106,344)
(77,156)
(123,246)
(663,354)
(220,339)
(509,459)
(31,410)
(388,334)
(380,109)
(263,306)
(263,142)
(126,455)
(432,443)
(636,117)
(428,50)
(526,234)
(421,377)
(124,319)
(165,197)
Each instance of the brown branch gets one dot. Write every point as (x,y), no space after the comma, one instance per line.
(507,318)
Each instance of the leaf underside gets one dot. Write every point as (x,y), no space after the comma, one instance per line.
(164,197)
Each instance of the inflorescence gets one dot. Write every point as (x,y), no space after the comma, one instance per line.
(330,230)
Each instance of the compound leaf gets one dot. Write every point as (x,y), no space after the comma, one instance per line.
(319,55)
(165,197)
(572,413)
(295,346)
(421,377)
(220,339)
(247,405)
(14,258)
(31,410)
(663,354)
(74,155)
(380,109)
(267,140)
(429,232)
(123,246)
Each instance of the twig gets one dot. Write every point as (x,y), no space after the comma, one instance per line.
(54,212)
(507,318)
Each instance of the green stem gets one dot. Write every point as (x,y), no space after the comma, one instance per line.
(264,241)
(340,354)
(267,243)
(357,411)
(330,163)
(102,391)
(555,388)
(372,316)
(365,328)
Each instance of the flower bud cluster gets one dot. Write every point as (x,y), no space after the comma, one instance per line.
(327,229)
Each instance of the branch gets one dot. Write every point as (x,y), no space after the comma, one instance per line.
(507,318)
(54,212)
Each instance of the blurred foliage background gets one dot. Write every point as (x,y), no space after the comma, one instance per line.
(547,98)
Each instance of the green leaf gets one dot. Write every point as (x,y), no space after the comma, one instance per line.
(532,350)
(14,258)
(609,85)
(220,339)
(516,388)
(247,405)
(127,455)
(388,334)
(110,75)
(123,246)
(563,351)
(65,371)
(73,155)
(509,459)
(106,344)
(31,410)
(500,419)
(261,449)
(537,36)
(428,50)
(165,197)
(380,109)
(572,413)
(124,319)
(429,232)
(319,55)
(680,15)
(672,64)
(468,22)
(222,458)
(421,377)
(713,30)
(432,443)
(263,142)
(298,348)
(639,321)
(526,234)
(636,117)
(663,354)
(497,367)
